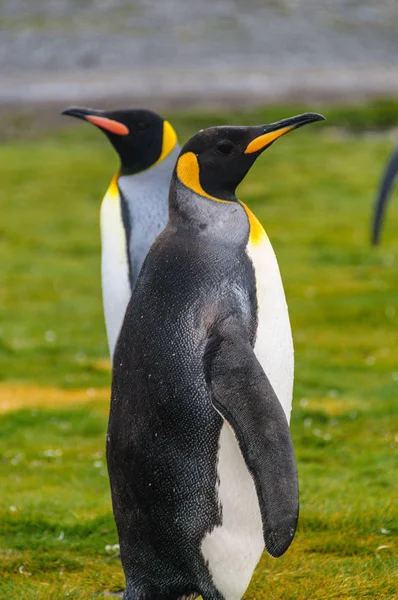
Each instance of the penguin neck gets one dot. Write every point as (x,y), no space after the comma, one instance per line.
(164,166)
(203,216)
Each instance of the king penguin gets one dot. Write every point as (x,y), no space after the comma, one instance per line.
(135,208)
(386,186)
(200,457)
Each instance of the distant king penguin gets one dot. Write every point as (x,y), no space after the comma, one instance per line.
(200,456)
(135,208)
(386,186)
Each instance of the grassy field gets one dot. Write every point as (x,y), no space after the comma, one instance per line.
(313,191)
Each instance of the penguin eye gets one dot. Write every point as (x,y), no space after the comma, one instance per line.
(142,126)
(225,147)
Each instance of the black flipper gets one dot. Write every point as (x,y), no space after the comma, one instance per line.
(381,202)
(243,395)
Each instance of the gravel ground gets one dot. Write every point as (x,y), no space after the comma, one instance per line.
(197,52)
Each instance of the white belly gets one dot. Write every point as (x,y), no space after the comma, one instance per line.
(233,549)
(274,344)
(116,289)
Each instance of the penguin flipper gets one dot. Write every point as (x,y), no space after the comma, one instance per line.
(382,198)
(244,396)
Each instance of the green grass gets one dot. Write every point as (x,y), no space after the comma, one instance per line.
(313,191)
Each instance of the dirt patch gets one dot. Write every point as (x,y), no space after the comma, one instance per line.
(16,397)
(333,407)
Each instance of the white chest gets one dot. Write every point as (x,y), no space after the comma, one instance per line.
(116,289)
(274,343)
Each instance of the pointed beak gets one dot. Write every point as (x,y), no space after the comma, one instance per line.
(267,134)
(98,118)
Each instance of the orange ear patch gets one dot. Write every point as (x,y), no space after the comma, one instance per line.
(188,173)
(108,124)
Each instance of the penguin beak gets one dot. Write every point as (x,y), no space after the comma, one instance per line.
(98,118)
(267,134)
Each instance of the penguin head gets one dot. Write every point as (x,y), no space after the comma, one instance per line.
(140,137)
(215,161)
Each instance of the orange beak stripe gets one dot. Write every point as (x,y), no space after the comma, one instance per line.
(108,124)
(263,140)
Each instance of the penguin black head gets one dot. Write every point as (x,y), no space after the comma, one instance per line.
(215,161)
(140,137)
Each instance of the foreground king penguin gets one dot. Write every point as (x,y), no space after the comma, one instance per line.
(135,207)
(199,452)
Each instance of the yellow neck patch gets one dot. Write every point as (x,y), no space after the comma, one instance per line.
(169,141)
(188,174)
(257,233)
(113,190)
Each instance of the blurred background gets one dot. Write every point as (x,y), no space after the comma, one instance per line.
(237,51)
(199,63)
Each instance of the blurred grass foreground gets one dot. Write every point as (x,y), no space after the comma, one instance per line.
(313,192)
